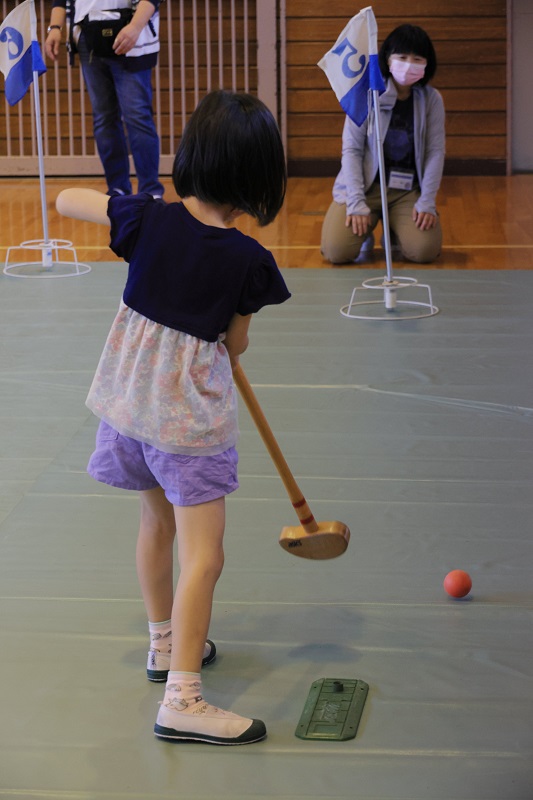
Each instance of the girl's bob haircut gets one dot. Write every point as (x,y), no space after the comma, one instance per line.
(231,153)
(404,40)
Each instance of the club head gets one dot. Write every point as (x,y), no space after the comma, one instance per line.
(329,541)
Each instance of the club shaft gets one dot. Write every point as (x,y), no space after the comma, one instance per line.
(296,497)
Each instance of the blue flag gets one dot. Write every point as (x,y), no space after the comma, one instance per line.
(352,67)
(20,54)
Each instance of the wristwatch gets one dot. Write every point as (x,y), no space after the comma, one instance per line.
(54,28)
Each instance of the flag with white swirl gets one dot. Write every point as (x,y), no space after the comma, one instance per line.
(352,66)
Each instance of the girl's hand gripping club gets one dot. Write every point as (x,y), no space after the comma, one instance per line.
(310,539)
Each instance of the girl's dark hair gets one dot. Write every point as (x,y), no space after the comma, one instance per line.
(409,39)
(231,152)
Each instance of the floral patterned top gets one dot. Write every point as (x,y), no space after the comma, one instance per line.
(156,382)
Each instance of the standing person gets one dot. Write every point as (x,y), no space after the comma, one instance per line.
(412,122)
(164,389)
(117,42)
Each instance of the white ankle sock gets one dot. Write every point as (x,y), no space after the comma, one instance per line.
(161,636)
(183,689)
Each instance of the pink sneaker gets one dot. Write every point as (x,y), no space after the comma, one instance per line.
(202,722)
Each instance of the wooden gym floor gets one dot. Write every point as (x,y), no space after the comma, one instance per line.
(415,433)
(487,222)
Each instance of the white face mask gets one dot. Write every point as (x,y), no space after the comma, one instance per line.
(405,73)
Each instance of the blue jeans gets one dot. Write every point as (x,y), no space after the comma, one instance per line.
(122,99)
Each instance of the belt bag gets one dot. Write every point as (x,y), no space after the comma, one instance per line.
(99,34)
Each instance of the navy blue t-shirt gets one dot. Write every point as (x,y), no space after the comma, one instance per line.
(186,275)
(399,144)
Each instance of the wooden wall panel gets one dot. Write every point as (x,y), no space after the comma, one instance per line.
(471,44)
(67,128)
(470,39)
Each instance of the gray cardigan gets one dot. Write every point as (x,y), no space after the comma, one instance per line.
(360,164)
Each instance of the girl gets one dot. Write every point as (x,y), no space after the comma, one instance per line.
(412,116)
(164,391)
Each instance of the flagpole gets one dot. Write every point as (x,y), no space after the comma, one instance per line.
(47,247)
(21,24)
(390,294)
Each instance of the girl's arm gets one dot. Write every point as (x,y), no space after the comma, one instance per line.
(86,204)
(236,340)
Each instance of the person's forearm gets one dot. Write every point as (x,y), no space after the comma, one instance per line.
(143,13)
(353,152)
(53,39)
(58,16)
(127,37)
(433,163)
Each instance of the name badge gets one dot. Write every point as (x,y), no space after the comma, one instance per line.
(401,179)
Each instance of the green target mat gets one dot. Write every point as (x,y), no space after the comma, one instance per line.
(333,709)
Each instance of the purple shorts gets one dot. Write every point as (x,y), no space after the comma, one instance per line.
(186,480)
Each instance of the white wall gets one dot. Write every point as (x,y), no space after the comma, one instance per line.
(522,86)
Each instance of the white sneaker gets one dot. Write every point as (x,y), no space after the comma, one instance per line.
(202,722)
(368,245)
(159,663)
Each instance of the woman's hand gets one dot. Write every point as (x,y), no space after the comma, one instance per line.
(359,223)
(423,220)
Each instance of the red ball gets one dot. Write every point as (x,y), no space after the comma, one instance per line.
(457,583)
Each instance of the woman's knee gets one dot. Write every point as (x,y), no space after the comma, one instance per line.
(336,253)
(420,247)
(338,244)
(422,253)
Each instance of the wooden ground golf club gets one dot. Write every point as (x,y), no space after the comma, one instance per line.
(310,539)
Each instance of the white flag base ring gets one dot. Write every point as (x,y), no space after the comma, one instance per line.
(50,264)
(395,308)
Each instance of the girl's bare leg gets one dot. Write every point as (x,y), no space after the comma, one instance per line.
(155,545)
(200,531)
(184,714)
